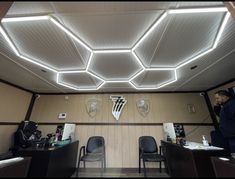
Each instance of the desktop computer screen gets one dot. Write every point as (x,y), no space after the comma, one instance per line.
(68,131)
(179,130)
(169,131)
(173,130)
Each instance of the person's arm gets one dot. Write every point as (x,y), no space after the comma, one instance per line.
(217,109)
(231,111)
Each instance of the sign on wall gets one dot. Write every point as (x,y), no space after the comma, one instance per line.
(92,107)
(143,106)
(118,104)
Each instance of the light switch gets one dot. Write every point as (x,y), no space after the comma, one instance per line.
(62,116)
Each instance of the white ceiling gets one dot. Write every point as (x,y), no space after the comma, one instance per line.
(116,25)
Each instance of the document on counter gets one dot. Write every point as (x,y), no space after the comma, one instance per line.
(199,146)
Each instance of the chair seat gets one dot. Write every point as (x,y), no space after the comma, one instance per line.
(92,157)
(153,157)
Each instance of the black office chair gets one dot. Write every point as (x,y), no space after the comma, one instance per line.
(148,152)
(95,151)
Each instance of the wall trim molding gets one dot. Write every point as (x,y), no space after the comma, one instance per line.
(122,124)
(9,123)
(221,84)
(128,92)
(16,86)
(109,124)
(121,170)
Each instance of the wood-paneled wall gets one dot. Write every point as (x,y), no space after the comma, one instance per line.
(164,107)
(14,104)
(122,140)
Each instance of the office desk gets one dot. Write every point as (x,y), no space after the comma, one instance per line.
(52,162)
(224,168)
(15,168)
(189,162)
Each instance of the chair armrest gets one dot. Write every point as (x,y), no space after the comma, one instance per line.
(141,151)
(82,149)
(160,148)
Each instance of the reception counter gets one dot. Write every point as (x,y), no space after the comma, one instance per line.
(57,161)
(224,167)
(190,161)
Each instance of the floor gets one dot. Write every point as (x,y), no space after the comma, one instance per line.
(120,173)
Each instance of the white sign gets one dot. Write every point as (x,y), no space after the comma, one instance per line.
(118,104)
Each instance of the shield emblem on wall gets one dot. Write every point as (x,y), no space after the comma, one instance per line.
(118,104)
(92,107)
(143,106)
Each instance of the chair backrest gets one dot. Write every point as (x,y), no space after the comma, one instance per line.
(95,144)
(148,143)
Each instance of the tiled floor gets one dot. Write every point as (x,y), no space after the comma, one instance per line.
(119,173)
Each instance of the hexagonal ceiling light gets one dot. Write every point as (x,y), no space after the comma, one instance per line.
(131,79)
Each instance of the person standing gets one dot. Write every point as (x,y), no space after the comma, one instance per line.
(224,107)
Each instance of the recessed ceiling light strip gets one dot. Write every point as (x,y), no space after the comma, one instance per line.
(77,88)
(159,69)
(138,60)
(197,10)
(72,72)
(194,58)
(165,84)
(149,88)
(69,33)
(137,74)
(36,63)
(101,85)
(21,56)
(9,41)
(113,51)
(95,76)
(68,86)
(89,61)
(116,81)
(20,19)
(150,30)
(221,29)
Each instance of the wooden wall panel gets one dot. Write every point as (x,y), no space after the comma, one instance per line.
(14,103)
(6,137)
(122,140)
(163,108)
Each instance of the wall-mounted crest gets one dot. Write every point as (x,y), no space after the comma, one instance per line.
(118,104)
(92,107)
(143,106)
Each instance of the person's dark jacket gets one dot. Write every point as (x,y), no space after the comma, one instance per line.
(226,112)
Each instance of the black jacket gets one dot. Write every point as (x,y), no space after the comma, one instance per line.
(226,112)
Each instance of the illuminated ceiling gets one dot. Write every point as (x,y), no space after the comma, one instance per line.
(84,62)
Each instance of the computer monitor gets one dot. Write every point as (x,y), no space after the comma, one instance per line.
(169,130)
(68,131)
(179,130)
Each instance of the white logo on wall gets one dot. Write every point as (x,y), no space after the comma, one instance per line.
(118,104)
(92,107)
(143,106)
